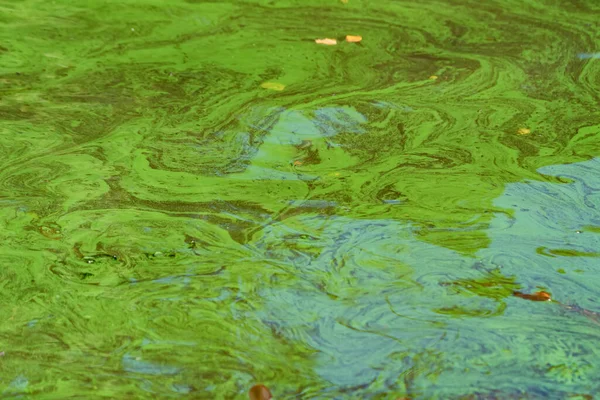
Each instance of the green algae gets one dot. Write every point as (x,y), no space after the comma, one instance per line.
(170,228)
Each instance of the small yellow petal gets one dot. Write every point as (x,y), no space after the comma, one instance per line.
(273,86)
(353,39)
(524,131)
(326,41)
(433,77)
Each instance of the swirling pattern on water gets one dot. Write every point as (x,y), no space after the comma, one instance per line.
(170,228)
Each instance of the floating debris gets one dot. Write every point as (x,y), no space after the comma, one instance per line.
(433,77)
(260,392)
(524,131)
(326,41)
(353,39)
(537,296)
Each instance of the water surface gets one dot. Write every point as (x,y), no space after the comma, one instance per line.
(196,197)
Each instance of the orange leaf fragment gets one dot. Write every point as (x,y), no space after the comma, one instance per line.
(353,39)
(297,163)
(537,296)
(326,41)
(273,86)
(260,392)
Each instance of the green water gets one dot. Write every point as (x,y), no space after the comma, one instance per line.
(169,228)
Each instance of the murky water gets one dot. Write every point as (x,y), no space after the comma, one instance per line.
(196,197)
